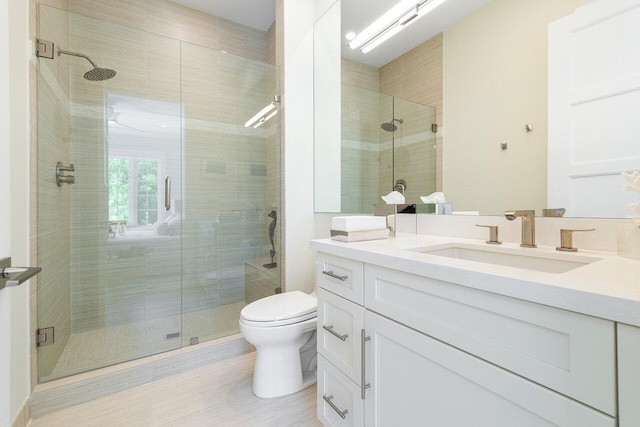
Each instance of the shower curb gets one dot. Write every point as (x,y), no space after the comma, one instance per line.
(71,391)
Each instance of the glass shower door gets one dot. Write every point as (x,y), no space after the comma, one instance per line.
(110,243)
(414,149)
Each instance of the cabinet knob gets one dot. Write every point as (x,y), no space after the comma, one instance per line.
(493,234)
(566,240)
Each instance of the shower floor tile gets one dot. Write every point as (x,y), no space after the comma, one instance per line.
(98,348)
(216,395)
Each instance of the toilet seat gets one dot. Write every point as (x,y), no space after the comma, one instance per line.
(280,309)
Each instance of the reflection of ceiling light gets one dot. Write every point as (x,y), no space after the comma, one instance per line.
(350,36)
(392,22)
(263,115)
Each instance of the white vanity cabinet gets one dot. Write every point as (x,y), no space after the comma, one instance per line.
(442,354)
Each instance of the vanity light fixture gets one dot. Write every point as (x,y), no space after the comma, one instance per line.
(392,22)
(265,114)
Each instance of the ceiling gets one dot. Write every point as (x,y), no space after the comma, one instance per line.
(258,14)
(356,15)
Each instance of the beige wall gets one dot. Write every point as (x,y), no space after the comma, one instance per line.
(495,81)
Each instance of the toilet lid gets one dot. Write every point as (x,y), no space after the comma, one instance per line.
(280,307)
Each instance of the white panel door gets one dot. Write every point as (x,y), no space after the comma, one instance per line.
(594,106)
(419,381)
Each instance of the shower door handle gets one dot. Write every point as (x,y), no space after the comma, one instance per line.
(167,193)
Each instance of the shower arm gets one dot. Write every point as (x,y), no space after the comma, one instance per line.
(66,52)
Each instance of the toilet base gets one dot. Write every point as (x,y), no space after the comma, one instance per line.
(277,372)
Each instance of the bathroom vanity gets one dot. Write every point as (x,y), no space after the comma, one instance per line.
(429,330)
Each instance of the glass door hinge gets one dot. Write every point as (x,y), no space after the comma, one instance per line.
(45,336)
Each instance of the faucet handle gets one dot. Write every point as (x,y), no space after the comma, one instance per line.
(566,240)
(493,234)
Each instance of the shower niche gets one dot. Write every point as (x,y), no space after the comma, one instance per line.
(148,250)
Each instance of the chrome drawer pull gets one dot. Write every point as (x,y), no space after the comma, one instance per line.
(334,333)
(343,414)
(363,386)
(335,276)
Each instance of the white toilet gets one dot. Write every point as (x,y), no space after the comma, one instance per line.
(282,328)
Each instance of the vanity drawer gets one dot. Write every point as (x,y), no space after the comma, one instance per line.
(338,401)
(340,323)
(571,353)
(341,276)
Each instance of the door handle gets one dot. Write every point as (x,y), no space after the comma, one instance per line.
(167,193)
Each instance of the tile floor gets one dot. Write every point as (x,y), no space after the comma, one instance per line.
(217,395)
(98,348)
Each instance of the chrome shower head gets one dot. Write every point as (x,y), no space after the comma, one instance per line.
(97,74)
(391,127)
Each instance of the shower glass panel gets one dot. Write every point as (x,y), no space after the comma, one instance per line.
(414,149)
(164,236)
(232,180)
(384,139)
(365,149)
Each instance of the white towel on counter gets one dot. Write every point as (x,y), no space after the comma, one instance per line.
(393,198)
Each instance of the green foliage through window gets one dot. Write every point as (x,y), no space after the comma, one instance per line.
(118,189)
(145,197)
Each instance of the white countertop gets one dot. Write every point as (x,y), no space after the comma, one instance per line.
(608,288)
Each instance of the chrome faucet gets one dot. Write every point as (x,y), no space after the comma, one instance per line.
(528,226)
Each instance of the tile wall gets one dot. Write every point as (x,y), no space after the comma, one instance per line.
(360,134)
(415,80)
(417,76)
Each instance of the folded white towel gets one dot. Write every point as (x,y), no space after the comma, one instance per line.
(394,198)
(358,223)
(437,197)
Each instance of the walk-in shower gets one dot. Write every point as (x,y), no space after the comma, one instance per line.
(128,272)
(387,142)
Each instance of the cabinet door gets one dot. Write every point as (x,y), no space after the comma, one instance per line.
(340,323)
(418,381)
(339,402)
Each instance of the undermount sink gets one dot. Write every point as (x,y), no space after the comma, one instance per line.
(508,257)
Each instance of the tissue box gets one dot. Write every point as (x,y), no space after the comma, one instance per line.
(360,236)
(358,223)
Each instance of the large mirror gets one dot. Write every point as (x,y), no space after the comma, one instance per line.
(475,69)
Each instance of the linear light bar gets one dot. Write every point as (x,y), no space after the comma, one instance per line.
(260,115)
(265,118)
(392,22)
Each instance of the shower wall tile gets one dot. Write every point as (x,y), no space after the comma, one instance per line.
(360,75)
(271,44)
(417,76)
(242,41)
(122,12)
(169,19)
